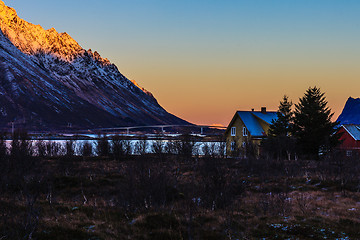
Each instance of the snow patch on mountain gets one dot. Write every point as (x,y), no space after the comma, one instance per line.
(62,82)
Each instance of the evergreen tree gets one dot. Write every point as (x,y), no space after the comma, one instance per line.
(279,142)
(282,126)
(313,128)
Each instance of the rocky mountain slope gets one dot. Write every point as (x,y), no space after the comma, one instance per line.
(49,81)
(351,112)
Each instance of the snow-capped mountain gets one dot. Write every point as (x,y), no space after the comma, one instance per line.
(49,81)
(351,112)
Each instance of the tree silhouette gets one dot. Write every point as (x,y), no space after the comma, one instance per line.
(313,128)
(280,143)
(282,126)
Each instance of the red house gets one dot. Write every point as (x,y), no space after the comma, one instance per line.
(350,139)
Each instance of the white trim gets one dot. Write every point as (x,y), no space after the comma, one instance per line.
(349,132)
(233,131)
(245,132)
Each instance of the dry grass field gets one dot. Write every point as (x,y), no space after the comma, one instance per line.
(177,197)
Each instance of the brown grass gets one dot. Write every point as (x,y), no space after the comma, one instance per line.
(88,202)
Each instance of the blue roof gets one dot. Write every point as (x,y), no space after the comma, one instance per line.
(267,117)
(251,121)
(353,130)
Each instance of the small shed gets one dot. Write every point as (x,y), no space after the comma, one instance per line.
(350,139)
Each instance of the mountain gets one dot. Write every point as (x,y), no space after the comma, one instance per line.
(351,112)
(48,81)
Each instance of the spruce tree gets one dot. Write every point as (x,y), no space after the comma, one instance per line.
(279,142)
(313,128)
(282,126)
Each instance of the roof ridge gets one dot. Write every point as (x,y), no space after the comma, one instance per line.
(272,111)
(352,132)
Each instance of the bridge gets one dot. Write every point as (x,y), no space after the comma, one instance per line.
(162,127)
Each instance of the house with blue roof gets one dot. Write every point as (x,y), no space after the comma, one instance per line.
(248,127)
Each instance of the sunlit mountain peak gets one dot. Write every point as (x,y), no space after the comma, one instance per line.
(48,79)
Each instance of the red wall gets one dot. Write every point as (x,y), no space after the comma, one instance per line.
(348,141)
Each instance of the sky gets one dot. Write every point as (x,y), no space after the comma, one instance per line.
(205,59)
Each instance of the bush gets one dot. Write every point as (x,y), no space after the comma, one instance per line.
(141,147)
(157,147)
(70,149)
(86,149)
(40,148)
(54,149)
(120,147)
(102,146)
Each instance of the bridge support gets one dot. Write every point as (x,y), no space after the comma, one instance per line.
(202,130)
(127,131)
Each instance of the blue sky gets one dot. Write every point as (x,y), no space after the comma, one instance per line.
(203,60)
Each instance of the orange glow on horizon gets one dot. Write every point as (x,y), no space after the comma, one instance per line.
(204,61)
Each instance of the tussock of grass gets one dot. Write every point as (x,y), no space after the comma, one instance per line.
(145,198)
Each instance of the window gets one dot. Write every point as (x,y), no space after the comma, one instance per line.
(245,131)
(232,146)
(348,153)
(233,131)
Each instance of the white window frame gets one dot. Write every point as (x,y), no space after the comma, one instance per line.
(233,131)
(245,131)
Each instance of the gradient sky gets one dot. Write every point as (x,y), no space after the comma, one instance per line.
(205,59)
